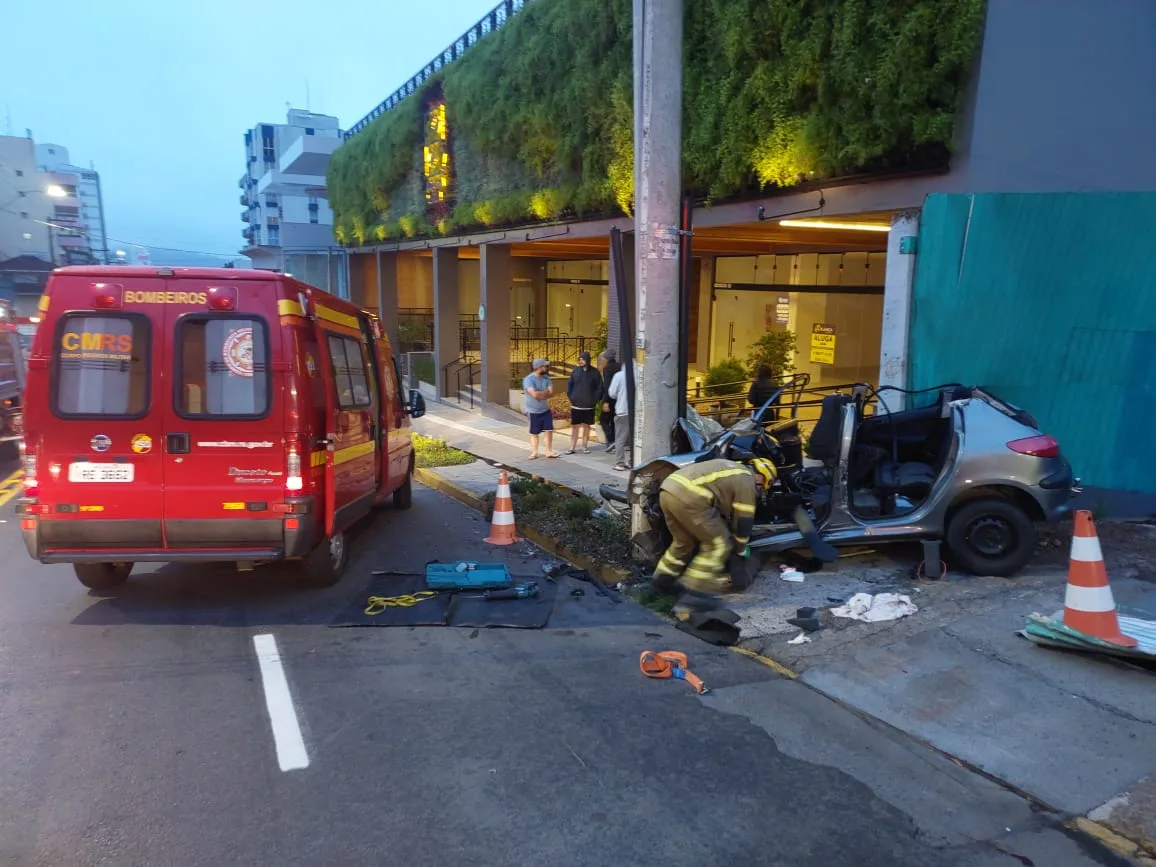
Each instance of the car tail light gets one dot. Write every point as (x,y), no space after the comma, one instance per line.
(293,480)
(1041,446)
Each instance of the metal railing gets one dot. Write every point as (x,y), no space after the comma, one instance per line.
(495,19)
(457,368)
(799,401)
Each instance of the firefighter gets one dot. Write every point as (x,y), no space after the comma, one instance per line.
(711,504)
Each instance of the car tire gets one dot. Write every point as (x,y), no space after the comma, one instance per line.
(403,496)
(325,564)
(102,576)
(991,536)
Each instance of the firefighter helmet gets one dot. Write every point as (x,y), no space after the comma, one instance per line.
(766,470)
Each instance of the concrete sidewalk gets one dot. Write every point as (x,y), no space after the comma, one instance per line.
(508,443)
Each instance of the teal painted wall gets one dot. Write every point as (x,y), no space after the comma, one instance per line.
(1050,300)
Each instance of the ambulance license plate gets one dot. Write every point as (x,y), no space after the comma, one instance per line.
(84,471)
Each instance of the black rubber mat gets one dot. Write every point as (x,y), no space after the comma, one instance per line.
(718,627)
(430,611)
(466,609)
(470,610)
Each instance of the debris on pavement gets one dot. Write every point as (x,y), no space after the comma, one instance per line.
(807,619)
(790,573)
(1051,632)
(876,609)
(801,638)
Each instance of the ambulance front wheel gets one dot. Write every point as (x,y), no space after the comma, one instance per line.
(102,576)
(324,565)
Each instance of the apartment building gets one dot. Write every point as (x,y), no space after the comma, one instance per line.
(53,158)
(27,248)
(288,222)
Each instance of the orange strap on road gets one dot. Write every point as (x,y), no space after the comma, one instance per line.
(670,663)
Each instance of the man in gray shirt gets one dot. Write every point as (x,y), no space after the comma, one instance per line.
(536,405)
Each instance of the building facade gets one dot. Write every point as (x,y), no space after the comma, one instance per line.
(986,265)
(27,247)
(53,158)
(288,221)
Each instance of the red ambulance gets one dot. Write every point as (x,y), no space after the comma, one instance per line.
(198,414)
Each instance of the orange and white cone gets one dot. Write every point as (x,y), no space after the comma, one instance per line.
(503,531)
(1088,603)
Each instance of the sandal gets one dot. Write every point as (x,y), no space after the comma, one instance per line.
(553,455)
(569,451)
(532,458)
(585,451)
(622,468)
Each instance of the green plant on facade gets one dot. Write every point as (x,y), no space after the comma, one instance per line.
(601,336)
(727,378)
(775,349)
(540,113)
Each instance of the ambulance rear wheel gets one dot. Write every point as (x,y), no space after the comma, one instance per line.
(102,576)
(324,565)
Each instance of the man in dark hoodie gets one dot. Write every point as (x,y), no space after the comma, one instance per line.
(611,367)
(584,390)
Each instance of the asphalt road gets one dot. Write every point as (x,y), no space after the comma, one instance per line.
(152,726)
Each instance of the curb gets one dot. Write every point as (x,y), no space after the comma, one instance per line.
(1136,850)
(607,574)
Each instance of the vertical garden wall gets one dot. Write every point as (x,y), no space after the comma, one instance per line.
(537,121)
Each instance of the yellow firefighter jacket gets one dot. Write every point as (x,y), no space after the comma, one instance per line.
(722,485)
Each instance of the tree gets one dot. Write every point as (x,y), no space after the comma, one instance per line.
(776,349)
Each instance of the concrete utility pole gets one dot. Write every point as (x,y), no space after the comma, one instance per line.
(657,197)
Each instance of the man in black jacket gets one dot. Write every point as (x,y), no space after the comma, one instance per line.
(584,390)
(611,367)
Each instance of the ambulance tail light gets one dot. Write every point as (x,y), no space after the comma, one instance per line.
(31,482)
(293,479)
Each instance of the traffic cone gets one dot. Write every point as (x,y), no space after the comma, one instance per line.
(1088,604)
(503,531)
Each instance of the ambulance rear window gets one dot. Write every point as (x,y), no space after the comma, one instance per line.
(223,367)
(101,366)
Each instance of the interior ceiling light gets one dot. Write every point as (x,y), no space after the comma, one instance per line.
(831,224)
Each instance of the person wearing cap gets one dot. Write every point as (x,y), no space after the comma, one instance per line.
(710,505)
(537,390)
(584,390)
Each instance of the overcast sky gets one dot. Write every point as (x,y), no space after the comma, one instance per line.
(158,95)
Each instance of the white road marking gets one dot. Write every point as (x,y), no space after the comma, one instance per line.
(291,753)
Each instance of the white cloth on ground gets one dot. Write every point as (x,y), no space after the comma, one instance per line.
(877,608)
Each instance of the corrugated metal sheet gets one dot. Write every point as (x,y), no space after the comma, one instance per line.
(1050,300)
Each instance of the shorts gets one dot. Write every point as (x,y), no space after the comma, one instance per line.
(581,416)
(541,421)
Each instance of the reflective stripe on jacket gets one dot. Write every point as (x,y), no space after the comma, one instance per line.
(724,485)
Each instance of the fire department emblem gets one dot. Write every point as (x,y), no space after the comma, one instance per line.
(238,352)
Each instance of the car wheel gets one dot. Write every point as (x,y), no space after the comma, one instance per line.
(325,564)
(102,576)
(991,536)
(403,496)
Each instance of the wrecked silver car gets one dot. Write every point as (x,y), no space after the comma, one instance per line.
(967,469)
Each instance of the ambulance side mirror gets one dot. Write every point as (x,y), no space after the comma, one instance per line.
(416,405)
